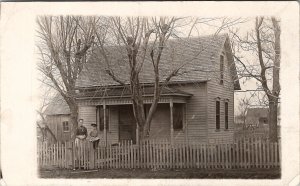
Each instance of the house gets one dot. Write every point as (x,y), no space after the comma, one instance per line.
(201,98)
(257,116)
(58,119)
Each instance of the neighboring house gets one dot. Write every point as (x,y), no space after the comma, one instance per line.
(58,119)
(257,124)
(257,116)
(239,120)
(202,98)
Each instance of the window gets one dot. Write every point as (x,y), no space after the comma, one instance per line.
(263,120)
(177,116)
(221,70)
(101,118)
(146,110)
(66,126)
(226,115)
(218,115)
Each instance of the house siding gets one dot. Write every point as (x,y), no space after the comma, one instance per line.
(224,92)
(88,114)
(160,125)
(195,126)
(113,132)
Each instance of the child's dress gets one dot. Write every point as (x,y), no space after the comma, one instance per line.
(94,138)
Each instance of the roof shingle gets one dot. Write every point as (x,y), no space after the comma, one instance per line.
(197,56)
(57,106)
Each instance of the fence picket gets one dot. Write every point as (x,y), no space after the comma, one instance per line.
(234,155)
(248,154)
(203,147)
(230,155)
(197,156)
(256,153)
(275,154)
(271,154)
(42,152)
(268,153)
(58,154)
(190,149)
(166,154)
(147,153)
(163,153)
(84,155)
(54,155)
(160,153)
(161,149)
(264,154)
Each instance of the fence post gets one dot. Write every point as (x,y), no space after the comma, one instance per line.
(91,156)
(171,121)
(137,130)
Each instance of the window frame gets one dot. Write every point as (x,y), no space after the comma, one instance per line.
(178,108)
(218,114)
(101,118)
(226,115)
(222,61)
(63,126)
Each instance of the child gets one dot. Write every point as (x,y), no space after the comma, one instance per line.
(94,136)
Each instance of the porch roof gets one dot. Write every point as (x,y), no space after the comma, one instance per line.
(106,93)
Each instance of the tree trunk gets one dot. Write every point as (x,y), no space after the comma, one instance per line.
(73,119)
(273,99)
(141,135)
(273,103)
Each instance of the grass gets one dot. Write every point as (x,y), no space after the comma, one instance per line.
(163,173)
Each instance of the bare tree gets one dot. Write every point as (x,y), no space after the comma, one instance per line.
(264,43)
(64,46)
(134,34)
(144,39)
(46,99)
(243,106)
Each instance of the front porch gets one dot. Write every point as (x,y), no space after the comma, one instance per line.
(115,120)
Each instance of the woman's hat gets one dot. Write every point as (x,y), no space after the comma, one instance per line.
(94,125)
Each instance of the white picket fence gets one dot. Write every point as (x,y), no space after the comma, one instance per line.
(243,153)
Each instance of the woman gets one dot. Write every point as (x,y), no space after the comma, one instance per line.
(81,133)
(94,136)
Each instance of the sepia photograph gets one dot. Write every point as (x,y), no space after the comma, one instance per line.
(156,96)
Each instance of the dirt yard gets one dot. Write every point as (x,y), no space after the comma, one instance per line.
(175,173)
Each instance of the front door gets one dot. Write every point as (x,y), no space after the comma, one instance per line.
(127,126)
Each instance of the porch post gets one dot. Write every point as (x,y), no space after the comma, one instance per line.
(171,120)
(137,134)
(104,119)
(185,124)
(97,118)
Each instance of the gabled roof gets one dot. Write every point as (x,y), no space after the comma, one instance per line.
(57,106)
(197,55)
